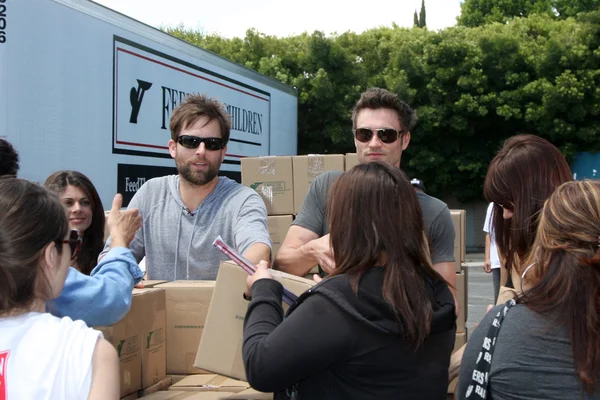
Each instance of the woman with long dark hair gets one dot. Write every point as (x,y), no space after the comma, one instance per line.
(97,294)
(522,175)
(42,356)
(382,326)
(85,213)
(546,345)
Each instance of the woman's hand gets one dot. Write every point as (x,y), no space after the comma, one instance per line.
(122,224)
(262,272)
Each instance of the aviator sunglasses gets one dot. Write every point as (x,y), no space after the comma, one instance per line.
(193,142)
(74,242)
(387,135)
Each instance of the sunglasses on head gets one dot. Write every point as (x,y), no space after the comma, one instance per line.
(74,242)
(387,135)
(193,142)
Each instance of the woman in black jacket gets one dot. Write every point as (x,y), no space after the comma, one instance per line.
(381,327)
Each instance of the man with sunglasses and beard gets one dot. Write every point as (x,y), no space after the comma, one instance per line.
(381,123)
(183,214)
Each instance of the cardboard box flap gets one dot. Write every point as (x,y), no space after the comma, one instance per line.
(190,284)
(210,382)
(251,394)
(181,395)
(151,283)
(220,349)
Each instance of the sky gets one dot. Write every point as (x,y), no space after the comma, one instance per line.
(231,18)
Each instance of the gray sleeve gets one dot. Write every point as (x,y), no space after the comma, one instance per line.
(251,224)
(312,213)
(441,238)
(137,244)
(467,364)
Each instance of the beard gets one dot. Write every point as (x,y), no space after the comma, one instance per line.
(197,178)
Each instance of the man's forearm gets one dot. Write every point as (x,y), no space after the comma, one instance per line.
(258,252)
(295,261)
(487,246)
(448,272)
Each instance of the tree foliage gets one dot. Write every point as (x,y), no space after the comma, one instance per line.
(472,87)
(481,12)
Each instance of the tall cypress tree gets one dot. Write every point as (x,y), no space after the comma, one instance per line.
(416,20)
(422,17)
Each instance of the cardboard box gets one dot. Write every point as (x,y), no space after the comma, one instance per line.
(181,395)
(271,178)
(187,306)
(127,337)
(154,345)
(177,378)
(351,161)
(307,168)
(150,283)
(278,228)
(460,225)
(210,383)
(251,394)
(132,396)
(164,384)
(462,298)
(459,341)
(452,388)
(220,348)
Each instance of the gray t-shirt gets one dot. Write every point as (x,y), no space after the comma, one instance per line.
(436,216)
(532,359)
(178,243)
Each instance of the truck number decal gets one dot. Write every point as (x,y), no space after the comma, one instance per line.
(2,21)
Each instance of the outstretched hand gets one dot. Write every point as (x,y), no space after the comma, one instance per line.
(122,224)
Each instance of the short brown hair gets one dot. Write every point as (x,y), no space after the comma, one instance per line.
(375,98)
(23,238)
(193,108)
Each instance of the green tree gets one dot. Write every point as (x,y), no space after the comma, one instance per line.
(416,20)
(472,87)
(480,12)
(422,16)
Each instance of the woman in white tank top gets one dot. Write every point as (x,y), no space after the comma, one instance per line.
(42,356)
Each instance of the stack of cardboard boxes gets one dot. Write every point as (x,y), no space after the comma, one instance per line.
(178,331)
(459,219)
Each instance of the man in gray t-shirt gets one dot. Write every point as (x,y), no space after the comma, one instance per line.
(381,124)
(183,214)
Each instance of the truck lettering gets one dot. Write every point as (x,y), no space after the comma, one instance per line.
(245,120)
(134,186)
(3,19)
(170,99)
(135,98)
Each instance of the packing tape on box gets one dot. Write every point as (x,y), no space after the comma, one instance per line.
(316,165)
(266,192)
(266,166)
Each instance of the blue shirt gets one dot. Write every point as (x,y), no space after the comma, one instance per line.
(104,297)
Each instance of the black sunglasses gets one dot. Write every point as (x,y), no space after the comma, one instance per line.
(74,242)
(387,135)
(193,142)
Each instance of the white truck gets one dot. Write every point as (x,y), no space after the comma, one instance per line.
(83,87)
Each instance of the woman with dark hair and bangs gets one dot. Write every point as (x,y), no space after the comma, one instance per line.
(522,175)
(382,326)
(520,178)
(546,344)
(85,212)
(43,357)
(99,294)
